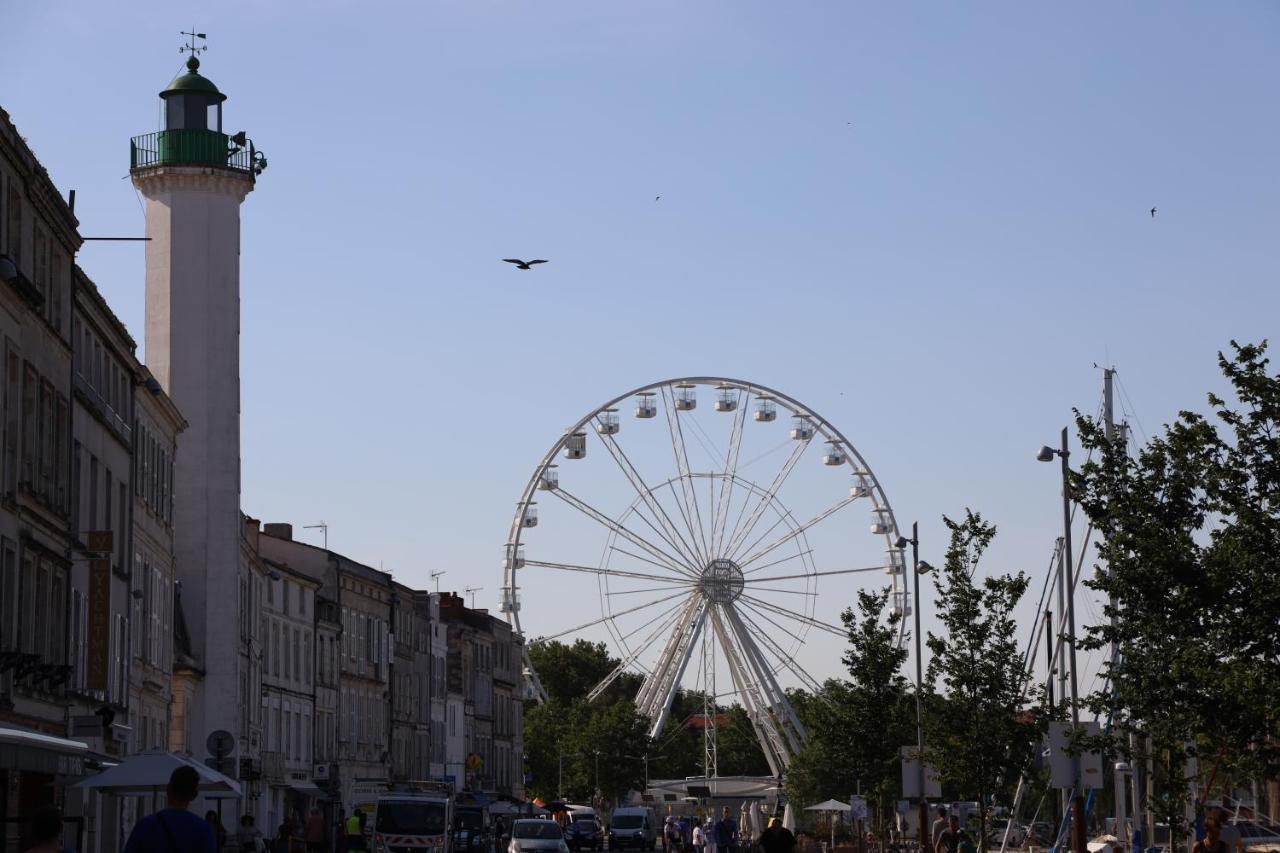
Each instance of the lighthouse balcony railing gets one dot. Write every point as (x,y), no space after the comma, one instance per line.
(190,147)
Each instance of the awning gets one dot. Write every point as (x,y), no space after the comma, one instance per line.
(36,752)
(308,789)
(149,772)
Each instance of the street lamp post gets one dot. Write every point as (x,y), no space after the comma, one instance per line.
(597,802)
(646,758)
(918,570)
(1046,454)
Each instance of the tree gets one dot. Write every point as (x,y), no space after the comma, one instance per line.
(982,741)
(855,727)
(1189,554)
(570,672)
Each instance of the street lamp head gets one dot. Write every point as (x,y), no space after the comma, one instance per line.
(1046,454)
(924,568)
(903,542)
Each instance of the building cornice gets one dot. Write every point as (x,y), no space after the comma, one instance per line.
(158,179)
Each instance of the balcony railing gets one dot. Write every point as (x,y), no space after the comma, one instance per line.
(191,147)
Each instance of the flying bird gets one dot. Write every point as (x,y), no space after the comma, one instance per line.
(1153,213)
(524,265)
(656,197)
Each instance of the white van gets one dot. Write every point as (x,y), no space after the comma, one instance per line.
(633,827)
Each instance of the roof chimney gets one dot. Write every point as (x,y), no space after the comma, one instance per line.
(279,530)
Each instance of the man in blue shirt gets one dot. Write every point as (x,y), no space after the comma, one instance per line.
(173,829)
(726,833)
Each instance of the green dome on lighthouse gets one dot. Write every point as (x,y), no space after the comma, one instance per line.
(192,82)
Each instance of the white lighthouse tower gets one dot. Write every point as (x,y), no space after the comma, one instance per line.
(194,178)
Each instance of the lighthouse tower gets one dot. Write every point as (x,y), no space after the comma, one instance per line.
(194,178)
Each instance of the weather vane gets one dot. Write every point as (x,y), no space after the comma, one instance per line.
(190,46)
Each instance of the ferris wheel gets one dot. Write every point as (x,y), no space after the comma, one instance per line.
(706,546)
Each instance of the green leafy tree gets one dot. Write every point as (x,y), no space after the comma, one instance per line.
(1189,556)
(984,737)
(855,727)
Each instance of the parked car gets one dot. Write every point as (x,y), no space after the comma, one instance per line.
(585,833)
(535,834)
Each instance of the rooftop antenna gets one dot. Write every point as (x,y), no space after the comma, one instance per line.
(435,576)
(322,527)
(471,591)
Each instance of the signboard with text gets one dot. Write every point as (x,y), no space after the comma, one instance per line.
(98,634)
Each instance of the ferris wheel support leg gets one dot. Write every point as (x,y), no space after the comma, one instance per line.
(647,698)
(771,743)
(779,707)
(673,674)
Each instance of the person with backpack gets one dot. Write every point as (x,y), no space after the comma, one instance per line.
(174,829)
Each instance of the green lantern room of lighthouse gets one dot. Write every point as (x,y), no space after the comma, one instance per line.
(192,133)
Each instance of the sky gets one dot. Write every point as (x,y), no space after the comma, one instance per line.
(928,222)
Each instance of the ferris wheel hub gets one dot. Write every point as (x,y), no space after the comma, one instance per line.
(722,581)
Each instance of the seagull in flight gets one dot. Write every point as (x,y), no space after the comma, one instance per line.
(524,265)
(1153,213)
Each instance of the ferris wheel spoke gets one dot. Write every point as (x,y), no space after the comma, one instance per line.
(796,556)
(720,511)
(778,652)
(596,570)
(793,533)
(591,512)
(690,511)
(668,620)
(684,578)
(783,591)
(810,574)
(670,533)
(791,614)
(645,589)
(612,616)
(740,534)
(799,638)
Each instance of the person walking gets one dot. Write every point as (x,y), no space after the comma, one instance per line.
(174,829)
(777,838)
(949,840)
(314,831)
(709,833)
(939,827)
(248,836)
(219,831)
(355,831)
(699,839)
(726,832)
(46,831)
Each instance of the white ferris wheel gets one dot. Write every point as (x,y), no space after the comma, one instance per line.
(706,546)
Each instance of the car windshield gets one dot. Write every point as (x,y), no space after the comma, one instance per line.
(410,818)
(544,829)
(584,825)
(627,821)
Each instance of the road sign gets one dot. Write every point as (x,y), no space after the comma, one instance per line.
(220,742)
(98,635)
(857,808)
(1060,769)
(911,776)
(225,766)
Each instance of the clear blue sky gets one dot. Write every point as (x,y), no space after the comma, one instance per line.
(928,221)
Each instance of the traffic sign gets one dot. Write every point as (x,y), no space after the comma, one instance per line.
(220,742)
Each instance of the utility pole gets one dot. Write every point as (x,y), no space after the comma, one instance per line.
(1068,568)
